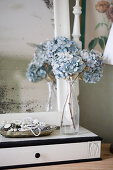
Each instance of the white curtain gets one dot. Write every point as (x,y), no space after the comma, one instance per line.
(108,53)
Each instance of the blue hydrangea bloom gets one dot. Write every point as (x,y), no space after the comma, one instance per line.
(62,58)
(60,53)
(40,56)
(94,66)
(36,73)
(59,44)
(63,55)
(66,64)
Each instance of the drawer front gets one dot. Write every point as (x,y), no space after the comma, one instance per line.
(44,154)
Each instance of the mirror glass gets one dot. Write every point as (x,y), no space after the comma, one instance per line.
(23,25)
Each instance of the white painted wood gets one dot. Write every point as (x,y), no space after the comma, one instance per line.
(56,135)
(62,28)
(76,28)
(61,18)
(48,153)
(76,33)
(94,149)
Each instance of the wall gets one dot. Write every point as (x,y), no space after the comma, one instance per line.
(96,105)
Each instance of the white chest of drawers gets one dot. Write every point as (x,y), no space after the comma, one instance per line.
(54,149)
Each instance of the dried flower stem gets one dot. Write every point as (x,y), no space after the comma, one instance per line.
(63,110)
(70,107)
(74,126)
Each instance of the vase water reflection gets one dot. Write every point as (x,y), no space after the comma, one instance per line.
(52,99)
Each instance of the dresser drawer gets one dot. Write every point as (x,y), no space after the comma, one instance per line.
(43,154)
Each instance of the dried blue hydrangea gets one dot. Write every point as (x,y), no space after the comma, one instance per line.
(40,55)
(63,55)
(94,66)
(60,53)
(39,67)
(65,65)
(60,44)
(62,58)
(36,73)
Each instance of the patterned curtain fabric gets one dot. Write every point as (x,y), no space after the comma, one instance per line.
(98,20)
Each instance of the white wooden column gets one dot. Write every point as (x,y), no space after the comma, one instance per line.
(61,18)
(76,32)
(76,28)
(62,28)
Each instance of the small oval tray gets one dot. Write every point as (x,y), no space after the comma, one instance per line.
(29,133)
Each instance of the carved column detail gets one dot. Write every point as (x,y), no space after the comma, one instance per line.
(76,32)
(94,149)
(76,28)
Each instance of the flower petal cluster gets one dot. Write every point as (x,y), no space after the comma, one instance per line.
(60,44)
(105,7)
(63,54)
(102,6)
(39,68)
(109,13)
(36,73)
(93,61)
(65,65)
(40,55)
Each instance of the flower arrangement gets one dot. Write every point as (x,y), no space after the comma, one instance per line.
(61,58)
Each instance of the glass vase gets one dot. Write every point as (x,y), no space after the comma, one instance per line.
(52,99)
(70,114)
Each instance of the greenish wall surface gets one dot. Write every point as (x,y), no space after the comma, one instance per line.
(96,105)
